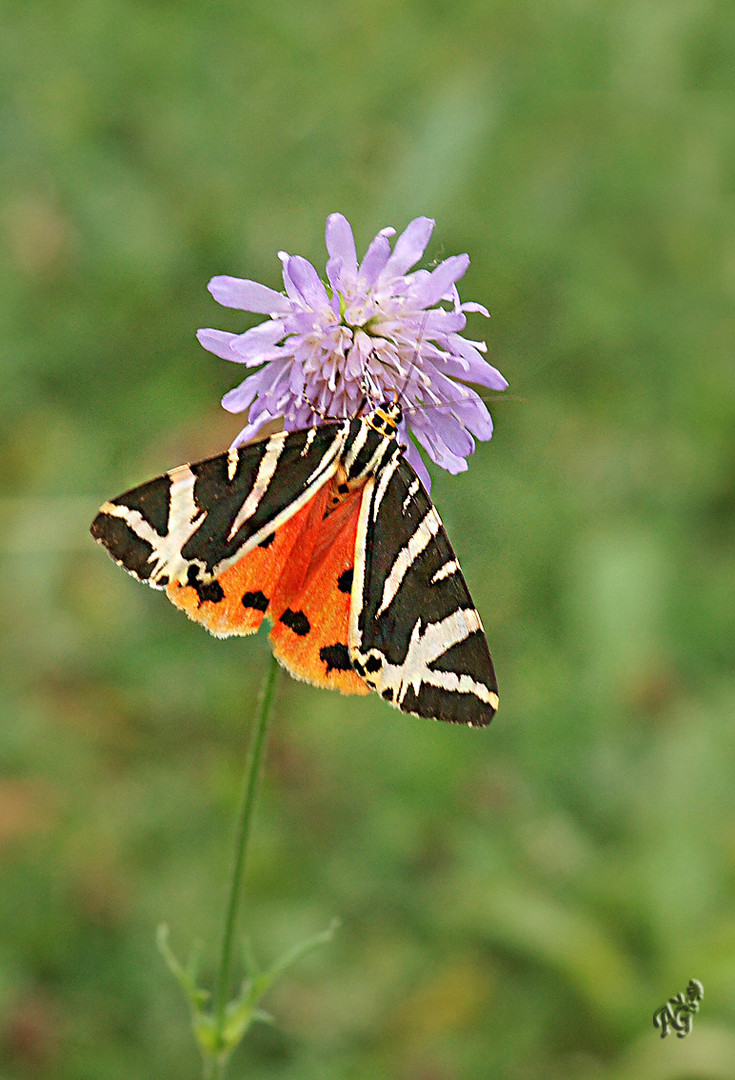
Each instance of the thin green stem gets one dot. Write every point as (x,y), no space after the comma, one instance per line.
(242,833)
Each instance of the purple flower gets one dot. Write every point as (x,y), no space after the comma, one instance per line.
(370,333)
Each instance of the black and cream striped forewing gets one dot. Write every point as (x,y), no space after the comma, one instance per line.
(197,520)
(415,635)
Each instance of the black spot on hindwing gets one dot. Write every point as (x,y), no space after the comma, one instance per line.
(336,657)
(296,621)
(210,591)
(344,581)
(258,601)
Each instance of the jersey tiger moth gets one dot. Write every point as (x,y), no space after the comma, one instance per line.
(330,533)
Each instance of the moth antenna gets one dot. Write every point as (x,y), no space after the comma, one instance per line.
(487,399)
(314,408)
(326,417)
(412,364)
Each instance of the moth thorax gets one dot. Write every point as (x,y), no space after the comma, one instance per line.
(385,419)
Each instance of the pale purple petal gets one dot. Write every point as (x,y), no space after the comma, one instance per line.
(479,371)
(410,283)
(291,291)
(296,380)
(248,295)
(410,246)
(241,397)
(374,262)
(440,321)
(440,453)
(334,277)
(250,431)
(472,306)
(266,356)
(219,342)
(278,382)
(462,404)
(475,416)
(301,416)
(341,245)
(440,280)
(256,341)
(307,281)
(441,425)
(454,367)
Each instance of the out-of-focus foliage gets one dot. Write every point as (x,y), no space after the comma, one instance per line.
(515,902)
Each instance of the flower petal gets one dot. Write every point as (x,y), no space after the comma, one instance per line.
(472,306)
(341,246)
(440,280)
(410,246)
(247,295)
(440,321)
(296,380)
(374,262)
(442,426)
(478,371)
(219,342)
(307,281)
(241,397)
(258,339)
(291,291)
(252,429)
(440,453)
(474,414)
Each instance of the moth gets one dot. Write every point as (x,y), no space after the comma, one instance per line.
(329,533)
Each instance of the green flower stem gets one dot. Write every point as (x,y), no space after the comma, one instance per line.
(242,833)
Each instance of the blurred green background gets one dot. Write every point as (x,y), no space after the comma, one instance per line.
(517,901)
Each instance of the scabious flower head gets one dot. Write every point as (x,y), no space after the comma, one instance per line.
(372,332)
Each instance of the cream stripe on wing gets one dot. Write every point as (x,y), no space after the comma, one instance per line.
(354,637)
(325,469)
(426,646)
(269,461)
(357,444)
(445,571)
(184,518)
(412,491)
(309,440)
(425,531)
(384,478)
